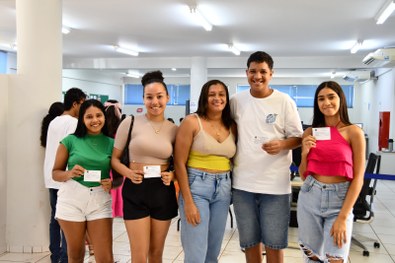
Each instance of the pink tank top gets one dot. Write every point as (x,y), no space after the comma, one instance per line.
(331,157)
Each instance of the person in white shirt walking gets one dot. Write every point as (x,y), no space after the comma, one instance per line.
(59,128)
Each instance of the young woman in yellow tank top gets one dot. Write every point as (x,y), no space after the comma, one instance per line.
(204,146)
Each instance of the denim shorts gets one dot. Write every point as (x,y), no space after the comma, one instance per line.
(78,203)
(319,205)
(262,218)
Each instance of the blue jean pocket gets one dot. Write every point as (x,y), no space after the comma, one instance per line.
(191,178)
(306,186)
(341,190)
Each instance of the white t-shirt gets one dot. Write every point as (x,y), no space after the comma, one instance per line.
(260,120)
(59,128)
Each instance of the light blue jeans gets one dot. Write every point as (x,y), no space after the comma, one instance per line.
(212,195)
(319,205)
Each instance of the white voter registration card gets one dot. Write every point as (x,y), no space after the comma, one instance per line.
(152,171)
(92,175)
(322,133)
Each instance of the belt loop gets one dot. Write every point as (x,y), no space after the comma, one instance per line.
(312,181)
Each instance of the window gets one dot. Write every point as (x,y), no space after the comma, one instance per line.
(303,95)
(178,94)
(3,62)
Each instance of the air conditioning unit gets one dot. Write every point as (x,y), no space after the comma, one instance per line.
(359,76)
(384,57)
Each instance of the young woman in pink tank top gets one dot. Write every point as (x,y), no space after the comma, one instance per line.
(332,167)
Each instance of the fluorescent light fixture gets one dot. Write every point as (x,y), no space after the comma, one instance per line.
(357,46)
(385,12)
(333,74)
(200,18)
(234,50)
(133,74)
(173,69)
(66,30)
(126,51)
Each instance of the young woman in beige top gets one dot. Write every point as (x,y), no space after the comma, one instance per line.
(149,199)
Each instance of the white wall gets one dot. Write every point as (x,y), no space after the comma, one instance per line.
(93,82)
(3,160)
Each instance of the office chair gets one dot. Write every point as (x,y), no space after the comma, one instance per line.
(363,210)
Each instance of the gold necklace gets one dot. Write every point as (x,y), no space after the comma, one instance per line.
(156,130)
(217,129)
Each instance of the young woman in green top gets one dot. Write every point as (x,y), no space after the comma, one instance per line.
(84,203)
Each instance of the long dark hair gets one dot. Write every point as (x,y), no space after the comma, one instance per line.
(318,117)
(55,110)
(81,130)
(203,102)
(112,120)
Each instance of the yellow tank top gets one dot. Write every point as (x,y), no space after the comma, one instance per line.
(206,152)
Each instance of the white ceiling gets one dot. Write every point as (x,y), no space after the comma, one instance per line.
(310,37)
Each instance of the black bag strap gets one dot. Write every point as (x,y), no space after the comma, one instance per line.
(130,131)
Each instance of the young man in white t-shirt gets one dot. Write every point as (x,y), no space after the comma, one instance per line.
(59,128)
(268,127)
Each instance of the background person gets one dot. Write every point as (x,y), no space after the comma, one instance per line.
(204,146)
(59,128)
(149,198)
(54,111)
(332,167)
(113,119)
(268,128)
(84,202)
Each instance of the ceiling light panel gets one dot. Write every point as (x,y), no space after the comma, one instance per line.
(200,18)
(357,46)
(126,51)
(234,50)
(385,11)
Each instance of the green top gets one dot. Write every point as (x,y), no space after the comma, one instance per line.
(92,152)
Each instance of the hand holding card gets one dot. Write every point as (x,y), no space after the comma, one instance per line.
(322,133)
(152,171)
(92,175)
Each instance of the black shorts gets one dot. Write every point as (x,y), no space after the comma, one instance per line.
(150,198)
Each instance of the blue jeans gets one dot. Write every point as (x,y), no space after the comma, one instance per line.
(212,195)
(57,240)
(319,205)
(262,218)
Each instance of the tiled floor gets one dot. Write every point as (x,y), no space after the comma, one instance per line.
(382,229)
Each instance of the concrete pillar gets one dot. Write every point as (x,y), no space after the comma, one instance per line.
(36,85)
(198,78)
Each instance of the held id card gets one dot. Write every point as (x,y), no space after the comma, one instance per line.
(260,140)
(322,134)
(92,175)
(152,171)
